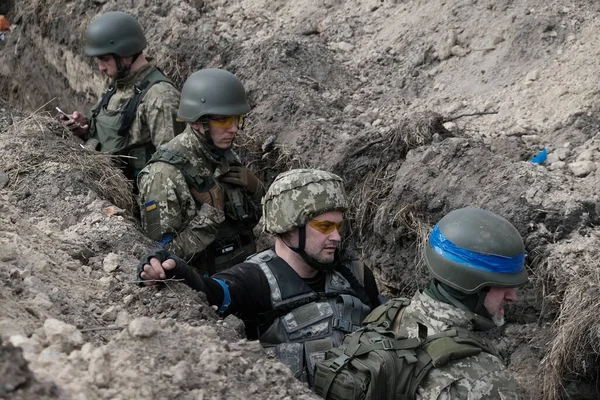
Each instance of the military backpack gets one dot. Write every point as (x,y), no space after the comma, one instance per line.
(376,363)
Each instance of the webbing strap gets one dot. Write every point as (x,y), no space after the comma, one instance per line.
(104,102)
(192,176)
(153,77)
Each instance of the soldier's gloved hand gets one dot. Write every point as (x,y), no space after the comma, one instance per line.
(214,197)
(242,176)
(158,265)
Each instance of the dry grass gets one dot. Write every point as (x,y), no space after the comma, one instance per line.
(575,351)
(417,130)
(268,162)
(32,145)
(570,278)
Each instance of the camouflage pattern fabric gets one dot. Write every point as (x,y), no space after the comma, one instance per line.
(167,205)
(154,116)
(483,376)
(297,195)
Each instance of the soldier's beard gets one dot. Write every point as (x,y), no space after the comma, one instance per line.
(498,319)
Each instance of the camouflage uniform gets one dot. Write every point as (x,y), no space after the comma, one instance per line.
(483,376)
(154,117)
(170,212)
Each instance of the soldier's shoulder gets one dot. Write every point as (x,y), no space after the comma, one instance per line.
(162,90)
(482,376)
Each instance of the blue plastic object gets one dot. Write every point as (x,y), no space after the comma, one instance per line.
(540,157)
(473,259)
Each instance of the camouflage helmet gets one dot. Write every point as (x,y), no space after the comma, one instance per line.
(115,32)
(298,195)
(212,92)
(470,249)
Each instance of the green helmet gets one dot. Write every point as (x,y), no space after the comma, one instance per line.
(298,195)
(115,32)
(212,92)
(470,249)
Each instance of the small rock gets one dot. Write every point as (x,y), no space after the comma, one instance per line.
(99,367)
(42,300)
(563,153)
(552,158)
(65,336)
(377,122)
(557,165)
(108,283)
(110,314)
(586,155)
(30,346)
(533,75)
(181,373)
(497,40)
(444,48)
(34,284)
(582,168)
(344,46)
(3,180)
(453,107)
(268,143)
(459,51)
(54,191)
(8,253)
(110,263)
(113,210)
(128,299)
(143,327)
(123,318)
(531,139)
(349,109)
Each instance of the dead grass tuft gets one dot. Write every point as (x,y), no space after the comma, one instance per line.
(36,144)
(417,130)
(570,273)
(575,351)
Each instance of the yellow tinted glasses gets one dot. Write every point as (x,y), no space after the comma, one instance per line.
(326,227)
(226,122)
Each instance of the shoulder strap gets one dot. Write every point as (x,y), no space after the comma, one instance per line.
(192,176)
(104,102)
(356,285)
(154,76)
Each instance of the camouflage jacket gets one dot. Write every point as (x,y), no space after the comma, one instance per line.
(483,376)
(167,206)
(154,116)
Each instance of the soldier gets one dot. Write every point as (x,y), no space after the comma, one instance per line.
(136,114)
(477,261)
(195,196)
(298,299)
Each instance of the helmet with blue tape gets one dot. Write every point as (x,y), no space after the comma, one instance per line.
(470,249)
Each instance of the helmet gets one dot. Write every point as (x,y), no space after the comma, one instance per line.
(298,195)
(470,249)
(212,92)
(115,32)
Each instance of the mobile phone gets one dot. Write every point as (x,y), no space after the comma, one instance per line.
(64,114)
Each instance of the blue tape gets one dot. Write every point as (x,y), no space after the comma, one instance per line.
(166,240)
(226,296)
(473,259)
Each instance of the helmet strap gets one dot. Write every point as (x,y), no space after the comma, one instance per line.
(319,266)
(123,70)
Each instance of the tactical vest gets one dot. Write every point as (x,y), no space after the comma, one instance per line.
(307,323)
(235,240)
(111,127)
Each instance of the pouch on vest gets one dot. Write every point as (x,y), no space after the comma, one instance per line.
(376,363)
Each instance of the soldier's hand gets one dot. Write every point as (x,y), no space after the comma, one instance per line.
(215,197)
(157,266)
(242,176)
(76,123)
